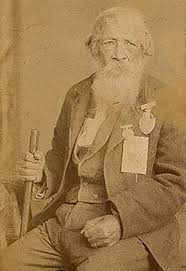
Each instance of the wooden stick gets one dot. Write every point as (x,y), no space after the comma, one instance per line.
(33,147)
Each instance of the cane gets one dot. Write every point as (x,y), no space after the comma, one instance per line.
(33,147)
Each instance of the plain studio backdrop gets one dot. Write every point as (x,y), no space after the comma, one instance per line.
(52,56)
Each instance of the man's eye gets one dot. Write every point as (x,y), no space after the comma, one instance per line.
(108,42)
(128,42)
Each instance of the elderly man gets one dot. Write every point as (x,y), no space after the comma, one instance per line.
(116,172)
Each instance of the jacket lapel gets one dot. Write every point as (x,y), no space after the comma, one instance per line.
(104,131)
(78,112)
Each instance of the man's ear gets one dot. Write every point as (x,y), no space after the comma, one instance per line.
(88,42)
(93,47)
(147,46)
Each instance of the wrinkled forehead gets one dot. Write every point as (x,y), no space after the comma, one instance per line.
(127,25)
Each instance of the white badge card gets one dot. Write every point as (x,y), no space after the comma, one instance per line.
(135,155)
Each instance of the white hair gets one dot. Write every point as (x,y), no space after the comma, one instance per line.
(135,21)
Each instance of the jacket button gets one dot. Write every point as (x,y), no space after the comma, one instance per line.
(95,196)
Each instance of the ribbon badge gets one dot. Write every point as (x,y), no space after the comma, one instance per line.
(147,120)
(127,131)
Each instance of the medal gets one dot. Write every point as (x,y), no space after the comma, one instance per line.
(147,120)
(127,131)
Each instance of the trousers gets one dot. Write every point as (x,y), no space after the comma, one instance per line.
(58,245)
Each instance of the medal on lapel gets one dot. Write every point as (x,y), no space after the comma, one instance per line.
(147,120)
(127,131)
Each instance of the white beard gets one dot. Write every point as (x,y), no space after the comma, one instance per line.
(115,83)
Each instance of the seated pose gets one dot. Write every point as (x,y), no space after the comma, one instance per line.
(116,174)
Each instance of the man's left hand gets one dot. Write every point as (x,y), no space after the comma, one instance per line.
(102,231)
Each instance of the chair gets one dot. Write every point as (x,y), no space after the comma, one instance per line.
(182,222)
(10,219)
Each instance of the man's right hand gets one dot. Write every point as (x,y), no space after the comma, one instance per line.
(30,168)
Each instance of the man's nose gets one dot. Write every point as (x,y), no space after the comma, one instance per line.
(119,51)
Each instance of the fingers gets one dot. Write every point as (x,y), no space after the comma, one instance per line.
(30,168)
(95,239)
(97,228)
(105,242)
(93,233)
(28,172)
(27,178)
(90,223)
(38,155)
(29,165)
(102,231)
(96,231)
(27,168)
(29,157)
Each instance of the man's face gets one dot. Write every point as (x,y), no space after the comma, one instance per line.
(118,47)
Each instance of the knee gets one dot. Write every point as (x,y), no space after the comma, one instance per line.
(8,260)
(113,263)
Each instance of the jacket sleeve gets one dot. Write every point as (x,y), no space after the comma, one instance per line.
(56,157)
(152,202)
